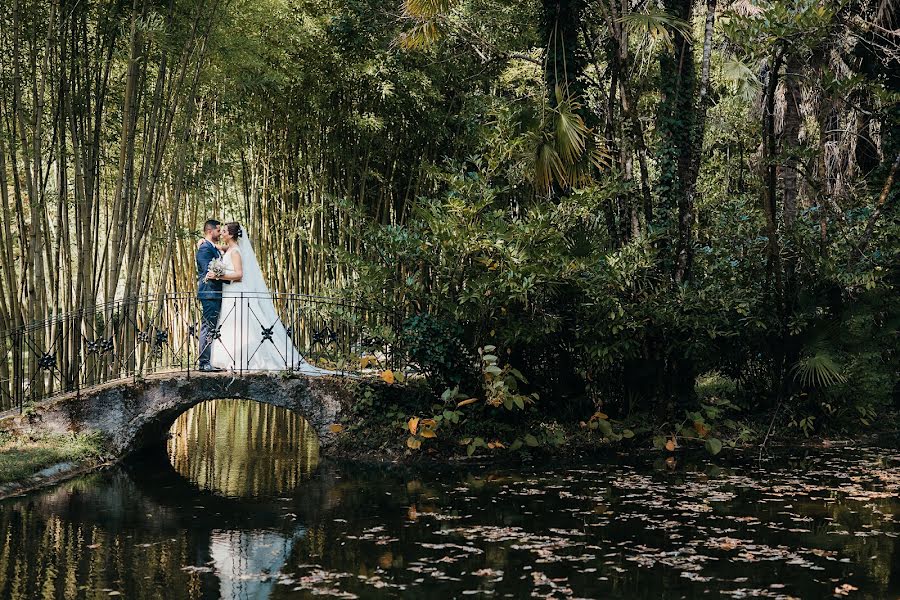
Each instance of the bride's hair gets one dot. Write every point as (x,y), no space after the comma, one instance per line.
(234,230)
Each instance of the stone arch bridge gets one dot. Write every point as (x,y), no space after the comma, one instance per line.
(128,368)
(130,414)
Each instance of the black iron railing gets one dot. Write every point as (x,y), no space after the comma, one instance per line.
(137,337)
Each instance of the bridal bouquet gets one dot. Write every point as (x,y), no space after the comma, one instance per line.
(216,268)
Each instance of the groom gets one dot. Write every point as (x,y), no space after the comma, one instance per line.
(209,292)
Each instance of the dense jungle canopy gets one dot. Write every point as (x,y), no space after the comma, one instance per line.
(625,199)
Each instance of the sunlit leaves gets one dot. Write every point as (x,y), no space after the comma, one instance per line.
(657,25)
(746,83)
(420,429)
(426,17)
(388,376)
(420,36)
(427,428)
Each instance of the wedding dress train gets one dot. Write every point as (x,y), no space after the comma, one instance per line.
(250,334)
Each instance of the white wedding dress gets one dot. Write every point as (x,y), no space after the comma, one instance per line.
(251,334)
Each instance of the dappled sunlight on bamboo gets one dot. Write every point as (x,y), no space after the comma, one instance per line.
(241,448)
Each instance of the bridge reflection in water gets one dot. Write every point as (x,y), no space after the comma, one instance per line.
(245,449)
(218,512)
(242,449)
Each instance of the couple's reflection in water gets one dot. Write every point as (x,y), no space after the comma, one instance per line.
(242,455)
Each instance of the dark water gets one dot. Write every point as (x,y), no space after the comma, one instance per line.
(232,508)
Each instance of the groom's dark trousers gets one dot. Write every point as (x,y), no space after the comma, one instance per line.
(210,295)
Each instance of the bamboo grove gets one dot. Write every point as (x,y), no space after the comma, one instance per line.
(622,195)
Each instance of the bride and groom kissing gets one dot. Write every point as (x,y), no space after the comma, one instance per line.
(240,329)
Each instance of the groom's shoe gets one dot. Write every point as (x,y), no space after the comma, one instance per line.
(210,369)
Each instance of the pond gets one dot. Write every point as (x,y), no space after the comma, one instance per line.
(233,506)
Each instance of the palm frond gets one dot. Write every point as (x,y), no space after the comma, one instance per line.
(817,371)
(657,24)
(426,9)
(600,156)
(747,84)
(548,166)
(420,36)
(571,132)
(427,17)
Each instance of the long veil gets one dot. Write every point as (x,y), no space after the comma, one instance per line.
(252,278)
(262,309)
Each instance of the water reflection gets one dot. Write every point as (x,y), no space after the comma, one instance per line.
(247,561)
(241,449)
(814,525)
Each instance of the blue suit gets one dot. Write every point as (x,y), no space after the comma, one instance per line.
(210,295)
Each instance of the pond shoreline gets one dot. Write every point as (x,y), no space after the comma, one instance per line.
(53,475)
(65,470)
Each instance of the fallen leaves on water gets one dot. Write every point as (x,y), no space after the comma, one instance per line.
(844,590)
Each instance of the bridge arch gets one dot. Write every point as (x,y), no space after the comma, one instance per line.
(134,413)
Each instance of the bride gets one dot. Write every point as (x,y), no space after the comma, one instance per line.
(251,334)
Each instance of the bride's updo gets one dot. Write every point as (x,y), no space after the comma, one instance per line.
(234,230)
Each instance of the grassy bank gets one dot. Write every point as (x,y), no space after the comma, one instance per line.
(22,456)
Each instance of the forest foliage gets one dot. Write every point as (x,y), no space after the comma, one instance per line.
(670,208)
